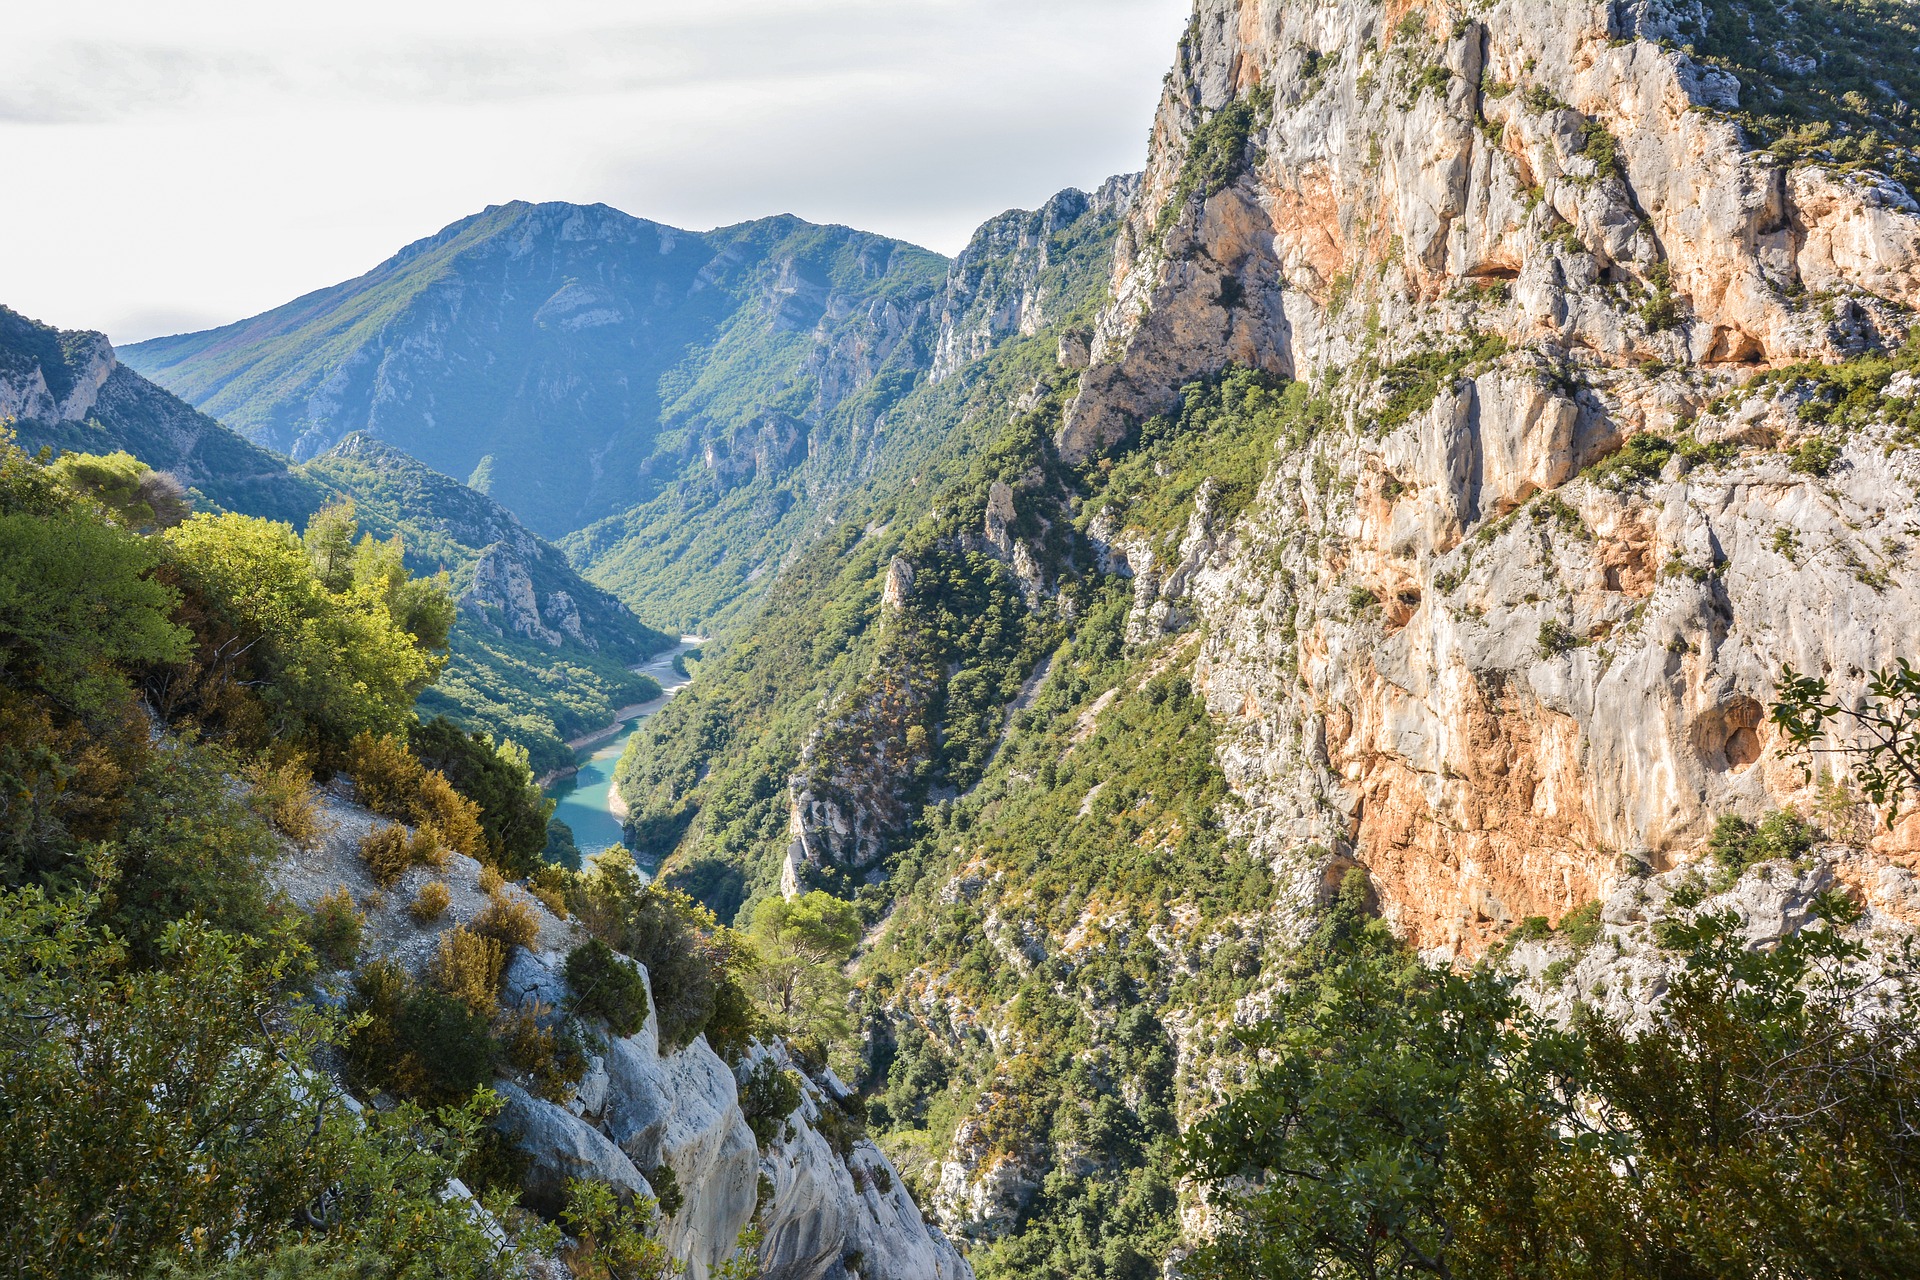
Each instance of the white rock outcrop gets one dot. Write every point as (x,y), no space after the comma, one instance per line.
(636,1110)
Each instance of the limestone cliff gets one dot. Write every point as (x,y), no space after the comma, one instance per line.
(1444,639)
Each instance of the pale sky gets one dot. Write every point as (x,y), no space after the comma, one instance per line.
(168,165)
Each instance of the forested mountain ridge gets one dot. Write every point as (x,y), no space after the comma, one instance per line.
(683,405)
(569,359)
(69,390)
(1484,411)
(540,655)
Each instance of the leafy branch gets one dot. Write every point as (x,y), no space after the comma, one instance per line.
(1881,730)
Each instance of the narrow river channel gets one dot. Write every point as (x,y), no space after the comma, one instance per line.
(585,801)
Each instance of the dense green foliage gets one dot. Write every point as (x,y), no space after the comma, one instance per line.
(150,1115)
(689,959)
(1116,829)
(161,1091)
(513,813)
(605,986)
(1414,1121)
(287,657)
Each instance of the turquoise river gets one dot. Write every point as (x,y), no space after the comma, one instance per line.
(585,801)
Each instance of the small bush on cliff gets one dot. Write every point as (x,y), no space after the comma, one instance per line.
(769,1094)
(613,1240)
(389,851)
(467,965)
(509,922)
(394,784)
(285,796)
(606,986)
(431,902)
(687,956)
(1739,844)
(417,1042)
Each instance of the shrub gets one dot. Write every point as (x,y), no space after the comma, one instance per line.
(551,899)
(385,774)
(513,812)
(1739,844)
(388,852)
(190,847)
(1556,638)
(841,1127)
(1581,926)
(1815,456)
(284,795)
(334,927)
(555,1060)
(431,902)
(395,785)
(606,985)
(768,1095)
(491,881)
(467,966)
(417,1042)
(666,1188)
(509,922)
(614,1240)
(452,815)
(667,932)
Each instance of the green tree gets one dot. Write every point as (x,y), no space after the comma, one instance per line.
(1412,1121)
(800,950)
(130,491)
(328,540)
(78,607)
(513,811)
(688,957)
(282,656)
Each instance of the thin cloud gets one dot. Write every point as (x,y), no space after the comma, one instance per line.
(217,158)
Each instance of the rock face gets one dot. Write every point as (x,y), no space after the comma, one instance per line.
(1624,973)
(837,1214)
(636,1110)
(1560,670)
(1000,284)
